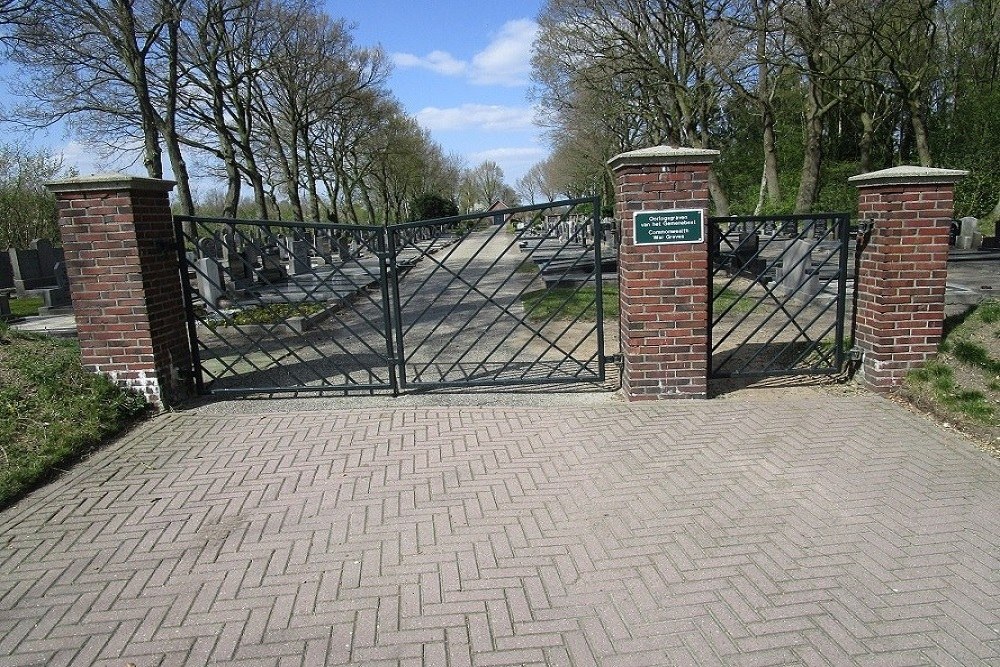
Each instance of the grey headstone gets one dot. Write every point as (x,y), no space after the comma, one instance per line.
(284,247)
(796,265)
(208,247)
(969,236)
(62,277)
(210,285)
(298,261)
(273,270)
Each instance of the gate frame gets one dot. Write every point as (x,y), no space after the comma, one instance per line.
(387,248)
(841,232)
(121,258)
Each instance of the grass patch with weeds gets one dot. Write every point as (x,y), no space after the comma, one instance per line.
(723,298)
(570,303)
(273,313)
(52,410)
(26,306)
(962,384)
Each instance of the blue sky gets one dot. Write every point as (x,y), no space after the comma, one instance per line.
(461,68)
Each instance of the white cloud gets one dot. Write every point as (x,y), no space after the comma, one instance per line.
(506,60)
(530,155)
(87,161)
(440,62)
(514,161)
(485,117)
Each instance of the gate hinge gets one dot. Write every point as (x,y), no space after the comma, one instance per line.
(613,358)
(855,354)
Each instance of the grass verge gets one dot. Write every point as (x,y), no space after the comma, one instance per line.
(723,298)
(569,303)
(962,384)
(25,306)
(52,410)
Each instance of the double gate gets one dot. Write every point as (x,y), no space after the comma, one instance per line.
(508,297)
(779,294)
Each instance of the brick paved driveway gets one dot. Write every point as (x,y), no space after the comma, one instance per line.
(731,532)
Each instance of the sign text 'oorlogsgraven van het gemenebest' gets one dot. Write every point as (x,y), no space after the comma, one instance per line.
(673,226)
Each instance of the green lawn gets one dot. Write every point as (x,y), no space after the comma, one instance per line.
(25,306)
(569,303)
(52,411)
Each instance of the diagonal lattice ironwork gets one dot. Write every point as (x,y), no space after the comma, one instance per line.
(779,294)
(505,297)
(280,306)
(472,315)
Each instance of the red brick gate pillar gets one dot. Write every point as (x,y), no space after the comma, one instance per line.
(663,286)
(121,259)
(903,269)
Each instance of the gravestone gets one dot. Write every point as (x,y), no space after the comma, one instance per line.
(284,247)
(59,296)
(969,236)
(324,244)
(46,260)
(239,274)
(210,285)
(4,308)
(298,261)
(208,247)
(27,275)
(6,273)
(273,270)
(795,275)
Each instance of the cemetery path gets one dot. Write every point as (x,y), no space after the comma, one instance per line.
(767,529)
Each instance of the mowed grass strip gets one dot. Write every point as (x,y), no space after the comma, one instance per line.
(52,410)
(569,303)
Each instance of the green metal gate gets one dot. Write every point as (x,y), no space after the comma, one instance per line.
(507,297)
(779,294)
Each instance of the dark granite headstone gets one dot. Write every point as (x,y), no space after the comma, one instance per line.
(6,272)
(46,259)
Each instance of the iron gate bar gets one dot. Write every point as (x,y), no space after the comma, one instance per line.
(819,227)
(803,331)
(496,319)
(770,293)
(254,343)
(504,310)
(473,288)
(226,353)
(553,343)
(257,343)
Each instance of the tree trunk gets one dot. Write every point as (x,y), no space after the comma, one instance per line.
(867,138)
(919,132)
(813,158)
(773,185)
(718,194)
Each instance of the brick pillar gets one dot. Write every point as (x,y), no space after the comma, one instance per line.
(903,269)
(663,287)
(121,258)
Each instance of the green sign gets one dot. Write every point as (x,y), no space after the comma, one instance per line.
(665,227)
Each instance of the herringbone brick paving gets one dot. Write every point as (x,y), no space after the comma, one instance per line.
(834,530)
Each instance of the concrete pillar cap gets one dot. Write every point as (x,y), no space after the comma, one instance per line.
(109,181)
(663,155)
(908,175)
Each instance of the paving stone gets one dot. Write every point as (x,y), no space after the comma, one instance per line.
(830,530)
